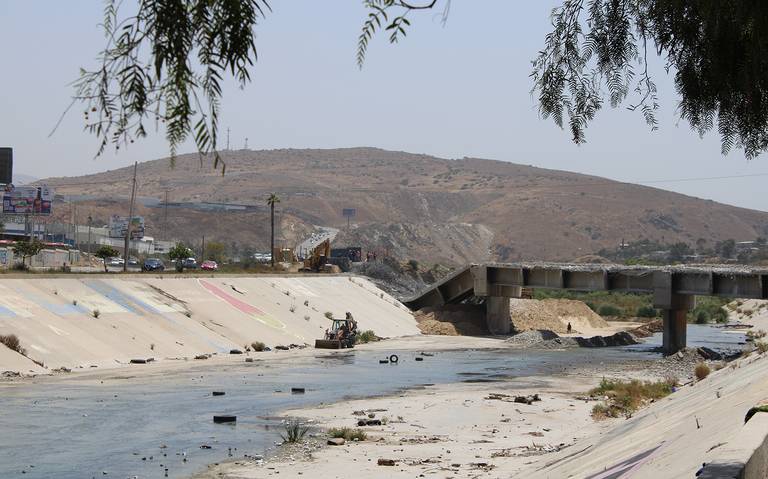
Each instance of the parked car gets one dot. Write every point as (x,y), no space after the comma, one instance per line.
(209,265)
(262,257)
(116,262)
(189,263)
(133,261)
(153,264)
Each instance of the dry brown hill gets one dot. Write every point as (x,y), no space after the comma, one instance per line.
(420,206)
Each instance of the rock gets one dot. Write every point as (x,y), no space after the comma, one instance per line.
(248,360)
(336,441)
(202,356)
(709,354)
(386,462)
(235,351)
(138,361)
(218,393)
(369,422)
(419,358)
(297,390)
(282,348)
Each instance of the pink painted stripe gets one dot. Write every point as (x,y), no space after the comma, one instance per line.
(236,303)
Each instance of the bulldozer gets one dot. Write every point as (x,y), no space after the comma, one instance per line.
(318,258)
(342,334)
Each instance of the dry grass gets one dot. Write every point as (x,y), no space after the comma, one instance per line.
(623,398)
(761,346)
(701,371)
(12,342)
(348,433)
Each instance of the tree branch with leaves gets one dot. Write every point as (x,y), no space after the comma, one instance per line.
(164,65)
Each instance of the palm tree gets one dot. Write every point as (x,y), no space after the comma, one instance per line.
(271,202)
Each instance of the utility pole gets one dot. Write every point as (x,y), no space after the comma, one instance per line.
(227,138)
(246,143)
(165,220)
(130,219)
(90,221)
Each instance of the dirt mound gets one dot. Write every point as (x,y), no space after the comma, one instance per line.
(648,329)
(553,315)
(452,320)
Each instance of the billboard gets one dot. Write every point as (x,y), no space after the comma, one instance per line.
(118,225)
(6,165)
(27,200)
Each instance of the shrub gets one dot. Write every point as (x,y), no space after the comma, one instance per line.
(96,313)
(366,337)
(348,433)
(609,310)
(12,342)
(646,311)
(701,371)
(329,314)
(20,267)
(413,264)
(625,397)
(761,346)
(702,317)
(591,305)
(294,431)
(258,346)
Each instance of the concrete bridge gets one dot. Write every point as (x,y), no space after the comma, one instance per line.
(673,288)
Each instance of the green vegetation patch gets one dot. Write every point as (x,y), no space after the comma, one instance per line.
(623,398)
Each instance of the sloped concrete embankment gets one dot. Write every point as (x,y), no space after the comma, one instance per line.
(80,322)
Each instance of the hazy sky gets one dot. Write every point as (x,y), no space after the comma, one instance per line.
(453,91)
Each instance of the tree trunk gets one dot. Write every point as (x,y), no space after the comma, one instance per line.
(272,235)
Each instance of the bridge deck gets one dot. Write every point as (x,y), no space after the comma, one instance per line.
(495,279)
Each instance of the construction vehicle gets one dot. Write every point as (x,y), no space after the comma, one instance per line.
(318,258)
(342,334)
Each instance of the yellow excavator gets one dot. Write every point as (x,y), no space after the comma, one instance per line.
(318,258)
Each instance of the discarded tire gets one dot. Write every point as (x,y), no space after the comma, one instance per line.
(224,419)
(218,393)
(138,361)
(297,390)
(418,358)
(393,358)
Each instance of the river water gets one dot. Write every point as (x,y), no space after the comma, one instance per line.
(138,427)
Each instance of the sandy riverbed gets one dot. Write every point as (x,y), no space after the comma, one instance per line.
(455,431)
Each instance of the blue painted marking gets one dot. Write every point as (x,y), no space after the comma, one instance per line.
(120,298)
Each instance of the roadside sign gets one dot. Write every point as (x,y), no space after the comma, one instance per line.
(24,200)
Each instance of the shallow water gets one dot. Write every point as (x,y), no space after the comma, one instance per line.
(75,428)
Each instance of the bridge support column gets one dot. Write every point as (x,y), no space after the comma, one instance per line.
(674,330)
(497,315)
(674,308)
(675,323)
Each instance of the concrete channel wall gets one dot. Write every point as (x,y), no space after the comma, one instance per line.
(84,321)
(746,457)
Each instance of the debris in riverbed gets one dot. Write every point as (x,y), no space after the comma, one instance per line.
(530,399)
(224,419)
(386,462)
